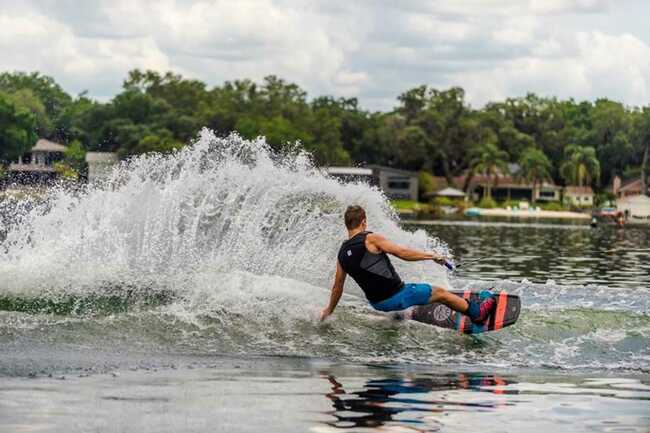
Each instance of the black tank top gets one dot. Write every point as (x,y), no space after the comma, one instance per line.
(374,273)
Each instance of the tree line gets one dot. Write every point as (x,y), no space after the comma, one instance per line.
(430,130)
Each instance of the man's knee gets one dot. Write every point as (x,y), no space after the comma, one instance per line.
(437,293)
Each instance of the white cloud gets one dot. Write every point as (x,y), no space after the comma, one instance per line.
(594,65)
(36,42)
(370,49)
(562,6)
(517,31)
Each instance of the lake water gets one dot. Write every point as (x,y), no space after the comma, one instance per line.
(541,252)
(183,297)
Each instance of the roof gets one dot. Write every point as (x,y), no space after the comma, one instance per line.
(105,157)
(634,185)
(394,170)
(349,171)
(578,190)
(450,192)
(44,145)
(505,182)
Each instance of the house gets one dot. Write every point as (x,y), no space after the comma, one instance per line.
(632,200)
(636,208)
(508,187)
(450,193)
(351,174)
(582,196)
(100,165)
(630,188)
(37,166)
(396,183)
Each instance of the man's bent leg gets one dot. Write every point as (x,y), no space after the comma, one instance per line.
(477,312)
(443,296)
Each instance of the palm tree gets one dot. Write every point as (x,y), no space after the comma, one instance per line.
(580,165)
(535,168)
(491,161)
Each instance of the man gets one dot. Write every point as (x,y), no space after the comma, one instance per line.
(365,257)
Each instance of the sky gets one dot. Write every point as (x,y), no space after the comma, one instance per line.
(372,50)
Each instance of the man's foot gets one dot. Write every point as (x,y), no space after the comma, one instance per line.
(478,312)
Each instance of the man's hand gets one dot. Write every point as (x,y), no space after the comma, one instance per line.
(439,259)
(324,314)
(337,291)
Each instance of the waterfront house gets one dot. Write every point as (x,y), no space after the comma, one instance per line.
(629,188)
(636,208)
(37,165)
(582,196)
(508,187)
(632,200)
(100,165)
(395,183)
(351,174)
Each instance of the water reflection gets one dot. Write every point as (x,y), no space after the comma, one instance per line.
(408,399)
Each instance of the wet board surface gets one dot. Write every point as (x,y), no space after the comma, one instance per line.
(505,314)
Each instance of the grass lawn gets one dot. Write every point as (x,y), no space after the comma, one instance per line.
(408,205)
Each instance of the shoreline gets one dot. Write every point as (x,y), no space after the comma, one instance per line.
(528,213)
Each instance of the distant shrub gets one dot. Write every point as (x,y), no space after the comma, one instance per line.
(487,203)
(604,199)
(444,201)
(407,205)
(65,171)
(553,206)
(463,205)
(435,212)
(426,183)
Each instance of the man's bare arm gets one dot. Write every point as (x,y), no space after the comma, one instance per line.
(404,253)
(337,291)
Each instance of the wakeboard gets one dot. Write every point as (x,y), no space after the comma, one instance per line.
(504,314)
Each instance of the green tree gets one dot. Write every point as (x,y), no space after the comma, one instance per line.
(611,135)
(184,95)
(26,100)
(580,165)
(53,97)
(411,146)
(75,156)
(123,136)
(326,145)
(426,183)
(17,128)
(73,120)
(444,117)
(535,168)
(161,142)
(642,140)
(491,161)
(532,117)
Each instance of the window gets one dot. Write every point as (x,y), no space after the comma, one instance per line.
(399,182)
(399,185)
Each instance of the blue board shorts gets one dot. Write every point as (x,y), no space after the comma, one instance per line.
(410,295)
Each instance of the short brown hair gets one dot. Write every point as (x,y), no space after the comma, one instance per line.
(354,216)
